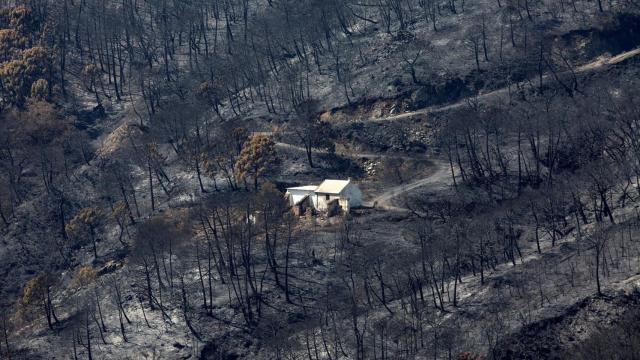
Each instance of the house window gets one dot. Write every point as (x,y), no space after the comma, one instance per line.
(326,197)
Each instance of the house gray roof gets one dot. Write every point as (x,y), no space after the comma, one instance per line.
(332,186)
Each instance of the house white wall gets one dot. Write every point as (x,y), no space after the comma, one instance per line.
(320,201)
(353,194)
(349,198)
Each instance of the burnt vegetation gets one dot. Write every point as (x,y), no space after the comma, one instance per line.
(145,146)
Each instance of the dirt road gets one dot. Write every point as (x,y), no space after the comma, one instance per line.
(351,154)
(439,178)
(592,66)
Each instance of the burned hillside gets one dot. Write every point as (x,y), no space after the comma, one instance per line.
(286,179)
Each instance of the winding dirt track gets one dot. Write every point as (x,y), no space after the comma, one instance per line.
(592,66)
(346,153)
(438,179)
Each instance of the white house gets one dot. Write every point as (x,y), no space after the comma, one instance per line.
(330,196)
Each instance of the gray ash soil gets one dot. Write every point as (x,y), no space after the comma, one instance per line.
(577,331)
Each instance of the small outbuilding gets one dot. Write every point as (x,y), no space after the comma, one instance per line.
(301,198)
